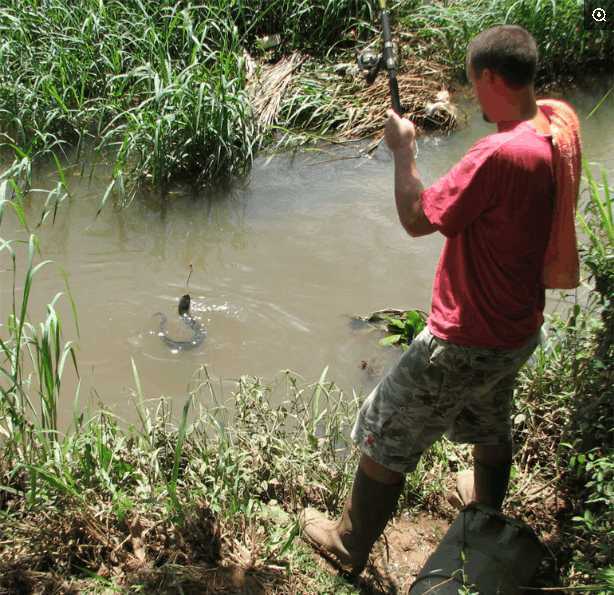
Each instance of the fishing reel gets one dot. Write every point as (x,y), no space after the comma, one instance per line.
(370,63)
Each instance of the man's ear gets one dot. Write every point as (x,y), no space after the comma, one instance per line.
(489,76)
(499,84)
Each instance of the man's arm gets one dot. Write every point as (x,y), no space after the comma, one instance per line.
(400,138)
(407,190)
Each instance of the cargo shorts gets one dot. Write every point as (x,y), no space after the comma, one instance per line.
(439,388)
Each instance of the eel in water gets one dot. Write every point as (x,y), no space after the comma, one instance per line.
(198,331)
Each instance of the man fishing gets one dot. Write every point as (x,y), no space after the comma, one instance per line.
(500,208)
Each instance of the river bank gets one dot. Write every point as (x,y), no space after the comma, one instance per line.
(167,92)
(210,505)
(200,493)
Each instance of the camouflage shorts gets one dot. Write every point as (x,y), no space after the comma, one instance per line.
(439,387)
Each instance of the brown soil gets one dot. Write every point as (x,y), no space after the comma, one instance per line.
(399,555)
(409,542)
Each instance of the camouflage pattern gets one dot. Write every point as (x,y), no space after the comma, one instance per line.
(438,387)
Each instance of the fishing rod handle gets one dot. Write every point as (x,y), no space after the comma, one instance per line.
(394,94)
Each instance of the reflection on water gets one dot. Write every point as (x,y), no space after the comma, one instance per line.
(280,263)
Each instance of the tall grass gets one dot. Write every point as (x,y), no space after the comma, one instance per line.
(194,125)
(565,409)
(42,345)
(598,225)
(159,86)
(318,26)
(565,46)
(161,82)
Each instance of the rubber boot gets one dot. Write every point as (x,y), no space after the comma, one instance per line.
(348,540)
(490,483)
(463,495)
(486,484)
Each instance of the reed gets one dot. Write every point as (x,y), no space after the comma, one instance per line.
(164,89)
(598,224)
(318,26)
(161,84)
(565,46)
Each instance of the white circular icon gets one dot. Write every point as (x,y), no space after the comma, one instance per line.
(599,15)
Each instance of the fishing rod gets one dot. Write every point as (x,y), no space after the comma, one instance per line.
(372,63)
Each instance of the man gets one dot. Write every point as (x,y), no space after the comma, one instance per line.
(495,209)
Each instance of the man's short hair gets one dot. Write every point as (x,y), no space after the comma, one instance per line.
(508,50)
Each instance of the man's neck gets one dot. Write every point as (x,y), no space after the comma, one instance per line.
(517,108)
(537,119)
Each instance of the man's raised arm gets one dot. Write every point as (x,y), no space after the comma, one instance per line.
(400,137)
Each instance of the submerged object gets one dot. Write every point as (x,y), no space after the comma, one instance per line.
(483,549)
(441,112)
(198,331)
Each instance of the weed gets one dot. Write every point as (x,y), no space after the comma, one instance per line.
(161,88)
(447,28)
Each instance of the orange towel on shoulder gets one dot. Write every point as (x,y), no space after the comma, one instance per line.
(561,262)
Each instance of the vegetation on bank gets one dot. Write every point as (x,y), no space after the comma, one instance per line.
(209,505)
(566,47)
(169,90)
(166,91)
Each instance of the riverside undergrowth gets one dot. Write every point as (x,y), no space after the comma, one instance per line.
(166,91)
(160,87)
(566,47)
(207,499)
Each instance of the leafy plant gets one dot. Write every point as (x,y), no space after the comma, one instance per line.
(598,225)
(403,328)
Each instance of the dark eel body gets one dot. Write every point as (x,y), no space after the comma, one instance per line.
(197,329)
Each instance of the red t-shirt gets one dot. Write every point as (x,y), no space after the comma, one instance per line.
(495,209)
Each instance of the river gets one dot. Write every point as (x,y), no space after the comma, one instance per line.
(279,262)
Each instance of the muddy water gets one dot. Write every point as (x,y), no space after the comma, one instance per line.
(280,263)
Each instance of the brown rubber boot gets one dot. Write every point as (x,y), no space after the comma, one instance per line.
(464,493)
(486,484)
(348,541)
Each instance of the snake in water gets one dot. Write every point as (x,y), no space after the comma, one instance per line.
(197,329)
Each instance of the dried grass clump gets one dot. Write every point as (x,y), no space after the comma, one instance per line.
(49,551)
(268,86)
(295,94)
(19,579)
(70,538)
(420,89)
(199,580)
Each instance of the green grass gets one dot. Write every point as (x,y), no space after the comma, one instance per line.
(317,26)
(564,415)
(160,88)
(42,348)
(565,47)
(598,225)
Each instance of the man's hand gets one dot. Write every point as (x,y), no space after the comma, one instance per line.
(400,134)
